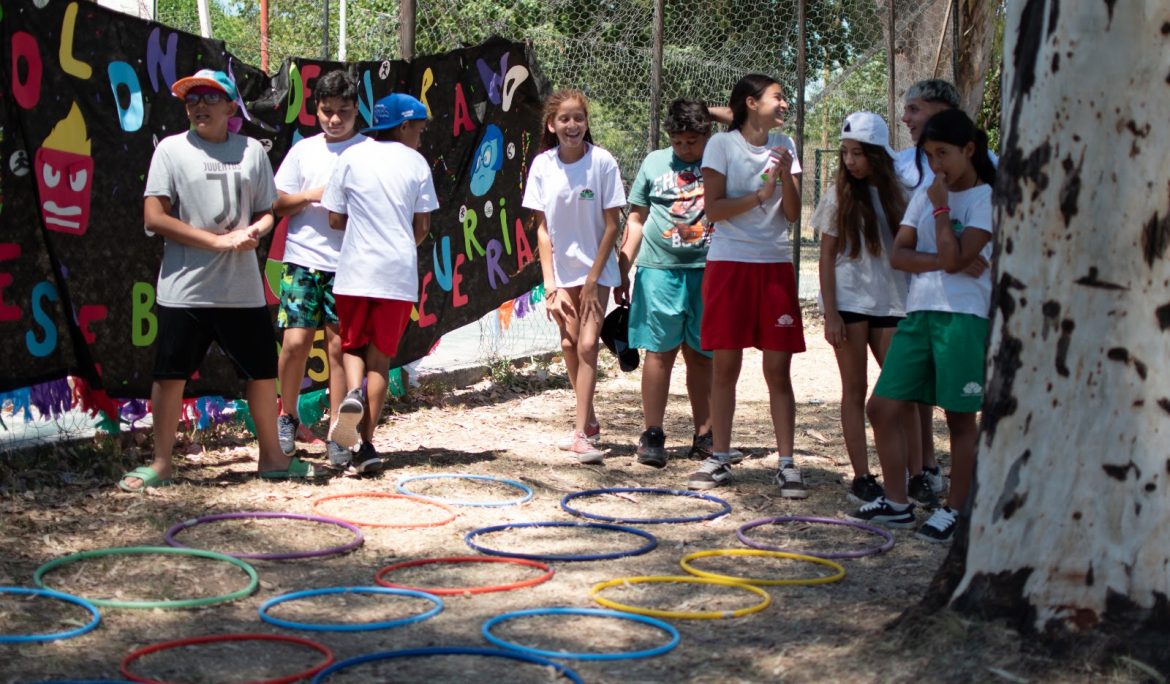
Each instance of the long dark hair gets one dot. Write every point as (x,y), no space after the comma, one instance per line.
(856,219)
(548,139)
(752,85)
(953,127)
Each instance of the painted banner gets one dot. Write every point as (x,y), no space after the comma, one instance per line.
(85,99)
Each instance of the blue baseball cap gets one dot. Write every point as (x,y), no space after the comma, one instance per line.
(395,109)
(207,78)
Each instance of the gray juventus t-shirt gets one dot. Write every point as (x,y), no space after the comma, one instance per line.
(213,187)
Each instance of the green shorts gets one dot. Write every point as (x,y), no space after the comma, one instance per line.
(306,298)
(936,358)
(666,308)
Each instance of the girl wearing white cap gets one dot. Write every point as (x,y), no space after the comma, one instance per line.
(862,297)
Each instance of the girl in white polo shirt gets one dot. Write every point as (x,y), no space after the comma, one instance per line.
(749,289)
(575,190)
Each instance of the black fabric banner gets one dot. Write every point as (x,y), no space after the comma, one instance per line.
(86,97)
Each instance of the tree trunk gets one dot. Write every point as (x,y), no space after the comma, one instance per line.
(976,37)
(1070,527)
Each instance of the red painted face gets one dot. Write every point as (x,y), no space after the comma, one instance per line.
(64,180)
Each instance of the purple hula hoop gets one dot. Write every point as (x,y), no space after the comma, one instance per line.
(345,548)
(861,553)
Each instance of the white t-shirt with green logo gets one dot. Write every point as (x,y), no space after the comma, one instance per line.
(574,198)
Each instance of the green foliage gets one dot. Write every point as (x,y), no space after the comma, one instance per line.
(990,113)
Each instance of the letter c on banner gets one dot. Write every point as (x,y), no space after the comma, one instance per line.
(515,76)
(131,116)
(28,91)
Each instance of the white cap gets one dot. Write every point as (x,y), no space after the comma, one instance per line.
(868,128)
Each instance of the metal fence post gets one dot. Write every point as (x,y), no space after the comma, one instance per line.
(406,18)
(652,139)
(801,19)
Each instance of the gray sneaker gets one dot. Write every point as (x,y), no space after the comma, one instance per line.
(366,460)
(286,433)
(711,473)
(791,483)
(344,430)
(339,456)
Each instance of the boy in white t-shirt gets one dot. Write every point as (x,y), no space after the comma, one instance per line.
(381,194)
(310,257)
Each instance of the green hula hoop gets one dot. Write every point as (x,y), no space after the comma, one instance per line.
(253,583)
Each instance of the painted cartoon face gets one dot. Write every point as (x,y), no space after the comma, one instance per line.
(488,160)
(64,171)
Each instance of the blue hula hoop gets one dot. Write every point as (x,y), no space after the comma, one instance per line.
(594,612)
(651,543)
(54,636)
(725,507)
(446,650)
(400,486)
(360,627)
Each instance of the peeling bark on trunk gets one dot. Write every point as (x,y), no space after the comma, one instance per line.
(1071,520)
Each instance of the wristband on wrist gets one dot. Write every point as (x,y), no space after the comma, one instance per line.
(940,210)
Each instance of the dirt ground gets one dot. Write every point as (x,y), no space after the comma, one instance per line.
(504,426)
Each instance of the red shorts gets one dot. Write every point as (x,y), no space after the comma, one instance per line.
(751,305)
(363,320)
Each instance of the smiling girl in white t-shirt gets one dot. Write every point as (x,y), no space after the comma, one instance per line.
(575,190)
(749,289)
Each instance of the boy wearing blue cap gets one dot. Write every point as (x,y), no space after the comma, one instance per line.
(381,194)
(208,194)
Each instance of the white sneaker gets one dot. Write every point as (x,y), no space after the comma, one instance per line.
(940,528)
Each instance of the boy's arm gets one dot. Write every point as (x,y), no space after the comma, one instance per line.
(422,226)
(905,255)
(262,222)
(338,221)
(158,220)
(631,245)
(289,203)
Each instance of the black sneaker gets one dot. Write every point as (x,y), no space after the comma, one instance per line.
(791,483)
(940,528)
(919,489)
(286,433)
(344,430)
(652,448)
(701,446)
(366,460)
(935,478)
(880,511)
(865,489)
(711,473)
(339,456)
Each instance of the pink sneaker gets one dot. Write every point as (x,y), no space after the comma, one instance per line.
(585,451)
(592,435)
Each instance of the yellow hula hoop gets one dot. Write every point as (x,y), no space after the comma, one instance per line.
(810,581)
(595,592)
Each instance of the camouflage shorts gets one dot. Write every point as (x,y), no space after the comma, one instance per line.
(306,298)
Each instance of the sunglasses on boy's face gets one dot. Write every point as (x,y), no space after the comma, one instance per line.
(210,97)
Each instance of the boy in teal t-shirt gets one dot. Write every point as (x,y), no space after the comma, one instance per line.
(667,233)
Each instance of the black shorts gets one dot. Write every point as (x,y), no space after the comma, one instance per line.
(185,335)
(874,321)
